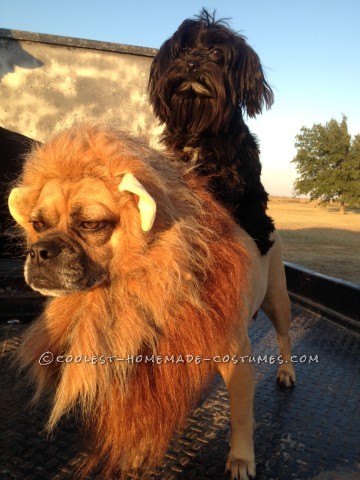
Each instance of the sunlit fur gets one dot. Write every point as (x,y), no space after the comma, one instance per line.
(202,81)
(175,290)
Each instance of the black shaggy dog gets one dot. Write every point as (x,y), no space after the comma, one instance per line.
(202,81)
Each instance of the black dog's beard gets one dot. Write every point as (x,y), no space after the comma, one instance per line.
(195,103)
(195,113)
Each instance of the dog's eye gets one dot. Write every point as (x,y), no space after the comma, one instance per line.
(38,225)
(93,225)
(215,55)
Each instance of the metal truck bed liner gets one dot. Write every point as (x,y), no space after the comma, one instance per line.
(309,432)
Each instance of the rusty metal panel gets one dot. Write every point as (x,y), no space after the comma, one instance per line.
(49,82)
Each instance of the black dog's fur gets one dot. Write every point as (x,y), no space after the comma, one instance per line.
(201,81)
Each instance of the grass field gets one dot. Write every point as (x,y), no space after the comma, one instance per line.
(319,238)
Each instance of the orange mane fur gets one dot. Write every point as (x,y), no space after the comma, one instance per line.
(175,290)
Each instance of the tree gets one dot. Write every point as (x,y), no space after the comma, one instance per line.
(328,164)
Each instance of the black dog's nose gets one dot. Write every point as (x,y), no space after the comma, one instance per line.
(192,66)
(43,250)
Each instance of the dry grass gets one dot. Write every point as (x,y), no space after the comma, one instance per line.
(319,238)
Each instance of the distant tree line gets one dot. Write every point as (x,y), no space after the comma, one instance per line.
(328,164)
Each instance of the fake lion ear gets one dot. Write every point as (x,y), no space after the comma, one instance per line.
(146,205)
(18,204)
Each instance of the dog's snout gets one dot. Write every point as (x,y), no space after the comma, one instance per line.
(192,66)
(42,251)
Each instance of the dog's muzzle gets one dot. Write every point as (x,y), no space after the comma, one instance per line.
(58,265)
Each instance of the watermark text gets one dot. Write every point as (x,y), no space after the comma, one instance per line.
(48,358)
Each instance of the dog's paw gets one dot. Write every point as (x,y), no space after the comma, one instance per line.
(286,375)
(240,469)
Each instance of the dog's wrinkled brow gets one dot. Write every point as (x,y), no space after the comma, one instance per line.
(88,212)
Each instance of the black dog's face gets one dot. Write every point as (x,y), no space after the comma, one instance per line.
(204,75)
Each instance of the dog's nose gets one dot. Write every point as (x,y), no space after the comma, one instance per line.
(192,66)
(43,250)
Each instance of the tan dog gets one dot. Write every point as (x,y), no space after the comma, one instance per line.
(146,269)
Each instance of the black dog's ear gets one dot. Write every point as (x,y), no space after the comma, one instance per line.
(160,62)
(168,51)
(253,90)
(156,79)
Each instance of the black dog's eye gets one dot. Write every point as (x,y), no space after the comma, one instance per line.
(215,55)
(93,226)
(38,225)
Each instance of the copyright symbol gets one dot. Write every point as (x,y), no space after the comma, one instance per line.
(46,358)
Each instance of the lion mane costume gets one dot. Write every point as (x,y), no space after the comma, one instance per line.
(139,261)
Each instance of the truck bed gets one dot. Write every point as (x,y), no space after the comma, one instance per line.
(308,432)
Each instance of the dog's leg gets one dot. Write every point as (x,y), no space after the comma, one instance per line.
(277,307)
(239,380)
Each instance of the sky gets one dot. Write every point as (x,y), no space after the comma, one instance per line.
(310,51)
